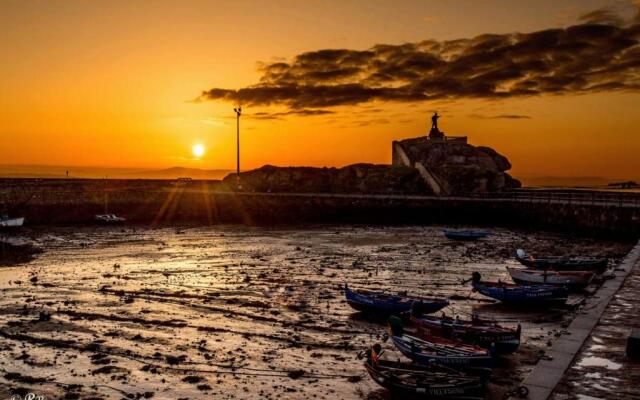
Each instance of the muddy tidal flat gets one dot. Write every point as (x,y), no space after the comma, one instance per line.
(232,312)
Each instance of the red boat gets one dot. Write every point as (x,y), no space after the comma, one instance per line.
(483,333)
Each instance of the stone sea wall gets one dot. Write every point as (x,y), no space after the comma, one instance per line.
(162,202)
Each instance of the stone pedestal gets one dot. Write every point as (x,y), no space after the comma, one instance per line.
(435,134)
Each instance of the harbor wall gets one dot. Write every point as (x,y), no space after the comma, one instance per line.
(61,202)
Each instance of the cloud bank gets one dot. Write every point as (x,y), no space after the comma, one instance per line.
(601,53)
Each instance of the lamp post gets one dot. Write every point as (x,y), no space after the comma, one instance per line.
(238,112)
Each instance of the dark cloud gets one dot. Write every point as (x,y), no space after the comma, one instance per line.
(602,16)
(598,54)
(500,116)
(280,115)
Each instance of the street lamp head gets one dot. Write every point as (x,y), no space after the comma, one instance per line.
(238,110)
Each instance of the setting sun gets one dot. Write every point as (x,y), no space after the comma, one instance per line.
(198,150)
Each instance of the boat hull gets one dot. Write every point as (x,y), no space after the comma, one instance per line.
(427,382)
(416,351)
(465,235)
(502,340)
(563,263)
(11,224)
(571,279)
(524,295)
(368,303)
(106,219)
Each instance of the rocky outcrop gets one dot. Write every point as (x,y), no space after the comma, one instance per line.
(455,167)
(356,178)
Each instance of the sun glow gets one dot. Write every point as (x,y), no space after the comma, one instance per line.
(198,150)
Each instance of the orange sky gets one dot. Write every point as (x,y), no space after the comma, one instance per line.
(110,83)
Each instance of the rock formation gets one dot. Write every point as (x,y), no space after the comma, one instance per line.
(454,167)
(356,178)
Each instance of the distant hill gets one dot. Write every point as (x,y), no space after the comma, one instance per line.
(178,172)
(56,171)
(567,181)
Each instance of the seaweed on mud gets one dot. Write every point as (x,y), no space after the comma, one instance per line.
(18,377)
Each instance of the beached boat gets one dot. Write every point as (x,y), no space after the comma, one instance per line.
(414,381)
(7,223)
(483,333)
(426,350)
(380,303)
(520,295)
(109,219)
(465,234)
(562,263)
(571,279)
(452,354)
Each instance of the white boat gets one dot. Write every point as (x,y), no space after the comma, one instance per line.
(11,223)
(109,219)
(573,279)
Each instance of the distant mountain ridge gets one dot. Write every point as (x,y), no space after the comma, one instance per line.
(52,172)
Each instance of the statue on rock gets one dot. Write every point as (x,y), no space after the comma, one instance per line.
(434,121)
(434,133)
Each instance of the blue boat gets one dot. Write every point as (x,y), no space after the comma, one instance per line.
(514,294)
(448,353)
(438,351)
(413,381)
(465,234)
(378,303)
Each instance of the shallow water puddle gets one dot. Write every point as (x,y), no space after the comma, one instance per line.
(593,361)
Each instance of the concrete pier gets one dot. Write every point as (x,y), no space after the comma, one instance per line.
(546,375)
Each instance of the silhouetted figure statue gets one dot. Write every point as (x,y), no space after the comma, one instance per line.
(434,133)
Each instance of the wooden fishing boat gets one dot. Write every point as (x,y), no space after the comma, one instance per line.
(378,303)
(452,354)
(562,263)
(109,219)
(7,223)
(474,331)
(406,380)
(520,295)
(465,234)
(571,279)
(428,350)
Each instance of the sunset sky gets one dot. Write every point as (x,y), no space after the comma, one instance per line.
(138,84)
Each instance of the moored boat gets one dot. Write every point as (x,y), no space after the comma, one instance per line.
(378,303)
(467,234)
(7,223)
(428,350)
(422,382)
(483,333)
(109,219)
(520,295)
(562,263)
(571,279)
(442,351)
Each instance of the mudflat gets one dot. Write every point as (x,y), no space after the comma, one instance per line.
(244,312)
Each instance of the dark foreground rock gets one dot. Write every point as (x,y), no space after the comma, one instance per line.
(356,178)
